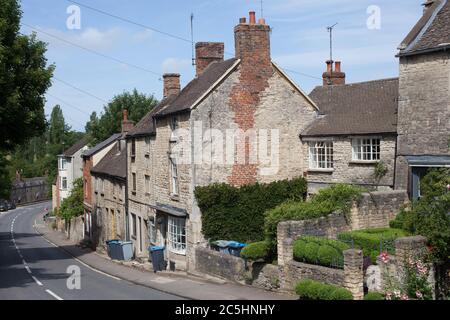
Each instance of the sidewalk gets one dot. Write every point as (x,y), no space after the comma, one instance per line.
(181,284)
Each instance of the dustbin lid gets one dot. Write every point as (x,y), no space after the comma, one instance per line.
(155,248)
(235,244)
(221,243)
(112,241)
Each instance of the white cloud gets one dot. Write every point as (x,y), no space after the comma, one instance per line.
(142,36)
(175,65)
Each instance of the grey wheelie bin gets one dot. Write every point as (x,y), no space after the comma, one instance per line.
(157,255)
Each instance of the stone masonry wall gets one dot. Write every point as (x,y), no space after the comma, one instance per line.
(424,109)
(348,171)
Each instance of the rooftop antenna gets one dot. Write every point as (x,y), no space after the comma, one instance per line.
(330,30)
(192,39)
(262,9)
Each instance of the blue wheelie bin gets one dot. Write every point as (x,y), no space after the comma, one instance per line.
(111,246)
(235,248)
(157,255)
(124,250)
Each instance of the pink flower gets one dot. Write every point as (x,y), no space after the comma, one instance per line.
(419,294)
(404,297)
(384,256)
(448,187)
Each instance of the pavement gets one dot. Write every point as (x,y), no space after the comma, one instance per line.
(48,254)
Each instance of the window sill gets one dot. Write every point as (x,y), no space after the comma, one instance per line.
(147,194)
(133,193)
(331,170)
(364,161)
(133,237)
(147,155)
(173,139)
(174,197)
(181,253)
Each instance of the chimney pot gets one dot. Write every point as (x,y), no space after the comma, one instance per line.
(333,77)
(262,21)
(127,125)
(329,66)
(242,20)
(207,53)
(338,66)
(171,84)
(252,17)
(125,114)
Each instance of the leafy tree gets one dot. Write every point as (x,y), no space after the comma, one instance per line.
(72,206)
(5,181)
(57,126)
(137,104)
(24,78)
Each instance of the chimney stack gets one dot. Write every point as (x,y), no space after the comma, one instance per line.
(252,42)
(171,84)
(333,76)
(207,53)
(127,125)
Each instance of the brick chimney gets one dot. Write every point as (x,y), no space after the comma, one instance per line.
(171,84)
(207,53)
(333,76)
(252,43)
(127,125)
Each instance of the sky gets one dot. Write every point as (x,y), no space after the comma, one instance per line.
(105,55)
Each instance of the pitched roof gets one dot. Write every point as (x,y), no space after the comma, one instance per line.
(113,164)
(101,145)
(77,146)
(146,126)
(431,32)
(359,108)
(197,87)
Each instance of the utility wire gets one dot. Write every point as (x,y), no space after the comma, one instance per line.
(92,51)
(130,21)
(166,33)
(78,89)
(68,104)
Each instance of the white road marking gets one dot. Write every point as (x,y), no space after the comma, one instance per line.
(53,295)
(37,281)
(28,269)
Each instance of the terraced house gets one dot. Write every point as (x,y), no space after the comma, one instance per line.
(241,118)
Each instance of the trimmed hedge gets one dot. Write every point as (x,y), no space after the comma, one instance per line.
(374,296)
(337,198)
(313,290)
(372,240)
(234,213)
(257,251)
(320,251)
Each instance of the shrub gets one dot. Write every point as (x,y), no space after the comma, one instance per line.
(257,251)
(237,214)
(337,198)
(374,296)
(313,290)
(429,216)
(72,206)
(372,241)
(319,250)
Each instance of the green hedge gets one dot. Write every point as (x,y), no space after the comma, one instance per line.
(337,198)
(233,213)
(374,296)
(320,251)
(257,251)
(371,241)
(314,290)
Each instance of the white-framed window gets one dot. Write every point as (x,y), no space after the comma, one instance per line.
(63,183)
(174,176)
(152,231)
(321,155)
(62,164)
(177,235)
(147,145)
(147,184)
(173,127)
(366,149)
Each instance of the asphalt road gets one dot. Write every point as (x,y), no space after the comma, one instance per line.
(33,269)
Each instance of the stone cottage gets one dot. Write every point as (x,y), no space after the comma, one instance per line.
(236,122)
(354,133)
(109,196)
(424,98)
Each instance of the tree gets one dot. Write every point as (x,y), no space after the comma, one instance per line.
(5,181)
(72,206)
(137,104)
(57,127)
(24,78)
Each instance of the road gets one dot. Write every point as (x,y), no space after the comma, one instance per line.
(33,269)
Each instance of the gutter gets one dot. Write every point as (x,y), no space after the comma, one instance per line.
(443,48)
